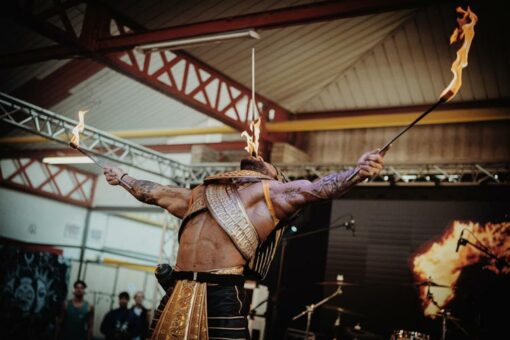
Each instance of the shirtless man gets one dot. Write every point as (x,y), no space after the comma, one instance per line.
(226,222)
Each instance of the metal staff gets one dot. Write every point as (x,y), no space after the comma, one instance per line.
(465,31)
(97,161)
(397,136)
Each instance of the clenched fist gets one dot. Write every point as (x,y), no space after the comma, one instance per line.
(113,174)
(370,164)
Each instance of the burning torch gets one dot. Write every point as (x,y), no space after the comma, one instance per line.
(466,32)
(75,144)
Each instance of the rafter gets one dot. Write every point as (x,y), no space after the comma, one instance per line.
(283,17)
(178,75)
(65,184)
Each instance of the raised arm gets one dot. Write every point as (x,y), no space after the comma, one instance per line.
(171,198)
(289,197)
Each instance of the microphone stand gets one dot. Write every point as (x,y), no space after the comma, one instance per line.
(499,261)
(311,308)
(275,296)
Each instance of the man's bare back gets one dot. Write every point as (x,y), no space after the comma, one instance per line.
(204,245)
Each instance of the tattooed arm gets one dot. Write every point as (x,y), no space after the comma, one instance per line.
(171,198)
(289,197)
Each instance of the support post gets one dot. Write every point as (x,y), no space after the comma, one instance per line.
(84,242)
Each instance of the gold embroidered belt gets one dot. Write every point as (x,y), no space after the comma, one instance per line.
(185,315)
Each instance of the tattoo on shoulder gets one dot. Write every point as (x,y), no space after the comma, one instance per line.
(292,193)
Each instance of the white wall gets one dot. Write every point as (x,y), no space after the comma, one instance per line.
(29,218)
(35,219)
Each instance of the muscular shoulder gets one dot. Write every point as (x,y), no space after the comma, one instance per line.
(289,197)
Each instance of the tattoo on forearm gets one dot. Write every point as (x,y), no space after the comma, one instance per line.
(332,186)
(144,191)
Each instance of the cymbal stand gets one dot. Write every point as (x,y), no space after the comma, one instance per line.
(430,296)
(445,315)
(311,308)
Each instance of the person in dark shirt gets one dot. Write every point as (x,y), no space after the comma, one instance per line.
(115,325)
(75,321)
(139,318)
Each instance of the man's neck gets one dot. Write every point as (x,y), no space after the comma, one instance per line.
(78,299)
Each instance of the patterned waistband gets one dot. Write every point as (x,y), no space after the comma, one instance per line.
(231,270)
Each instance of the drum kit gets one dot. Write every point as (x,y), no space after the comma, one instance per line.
(359,334)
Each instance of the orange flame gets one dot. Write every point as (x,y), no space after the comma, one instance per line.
(252,142)
(466,32)
(75,139)
(440,262)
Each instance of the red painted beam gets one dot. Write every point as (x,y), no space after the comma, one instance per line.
(284,17)
(290,16)
(126,63)
(55,184)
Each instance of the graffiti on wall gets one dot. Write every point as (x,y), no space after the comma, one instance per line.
(33,287)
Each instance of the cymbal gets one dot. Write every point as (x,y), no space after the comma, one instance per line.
(342,310)
(336,283)
(431,284)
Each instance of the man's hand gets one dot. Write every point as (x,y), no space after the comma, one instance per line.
(370,164)
(113,174)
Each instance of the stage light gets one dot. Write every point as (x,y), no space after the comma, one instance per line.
(294,229)
(195,41)
(407,178)
(67,160)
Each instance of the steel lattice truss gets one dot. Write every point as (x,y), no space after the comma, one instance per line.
(62,183)
(58,128)
(414,174)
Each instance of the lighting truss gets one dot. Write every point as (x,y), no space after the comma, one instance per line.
(58,128)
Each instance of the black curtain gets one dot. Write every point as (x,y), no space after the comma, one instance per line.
(293,279)
(392,224)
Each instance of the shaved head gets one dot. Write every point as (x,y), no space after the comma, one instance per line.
(258,165)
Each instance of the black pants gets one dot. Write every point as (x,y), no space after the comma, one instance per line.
(226,312)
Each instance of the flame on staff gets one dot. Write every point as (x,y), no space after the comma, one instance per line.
(252,142)
(440,262)
(465,31)
(75,139)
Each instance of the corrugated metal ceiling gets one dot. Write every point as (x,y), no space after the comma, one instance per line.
(388,59)
(412,67)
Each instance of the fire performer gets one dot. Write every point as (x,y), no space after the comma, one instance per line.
(233,222)
(229,222)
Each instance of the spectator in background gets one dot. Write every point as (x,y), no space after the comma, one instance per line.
(76,318)
(115,325)
(139,318)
